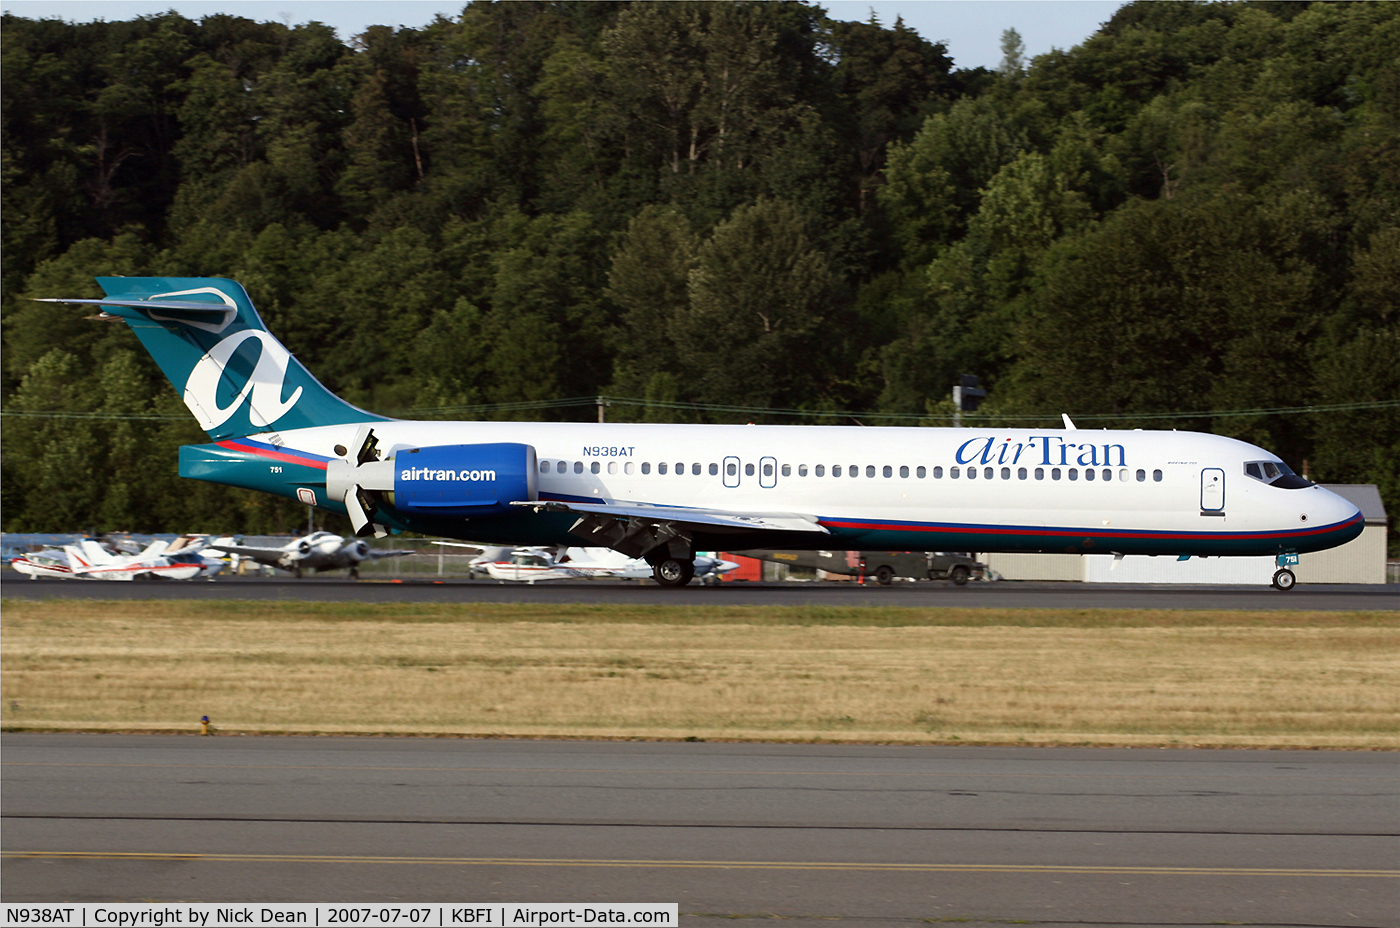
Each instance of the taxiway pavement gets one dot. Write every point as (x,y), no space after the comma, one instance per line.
(810,834)
(1004,595)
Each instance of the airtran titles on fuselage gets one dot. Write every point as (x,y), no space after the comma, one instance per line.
(1048,450)
(426,473)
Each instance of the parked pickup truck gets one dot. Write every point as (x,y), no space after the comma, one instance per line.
(884,566)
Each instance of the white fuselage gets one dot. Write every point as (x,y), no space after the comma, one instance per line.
(998,484)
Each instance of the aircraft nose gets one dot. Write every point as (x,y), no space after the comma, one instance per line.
(1332,509)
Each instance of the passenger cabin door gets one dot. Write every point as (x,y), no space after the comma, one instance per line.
(731,471)
(1212,490)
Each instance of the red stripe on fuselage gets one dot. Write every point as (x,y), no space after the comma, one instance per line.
(272,455)
(1073,533)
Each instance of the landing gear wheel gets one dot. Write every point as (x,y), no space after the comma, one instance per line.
(958,575)
(884,574)
(672,571)
(354,573)
(1284,580)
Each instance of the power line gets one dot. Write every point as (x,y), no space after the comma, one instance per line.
(848,414)
(578,401)
(107,416)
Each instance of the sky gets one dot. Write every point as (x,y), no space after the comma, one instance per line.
(971,28)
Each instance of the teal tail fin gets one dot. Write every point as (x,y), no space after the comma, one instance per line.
(211,343)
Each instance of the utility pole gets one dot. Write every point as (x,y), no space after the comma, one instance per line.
(601,404)
(967,396)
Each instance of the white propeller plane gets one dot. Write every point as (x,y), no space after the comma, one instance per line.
(319,551)
(529,565)
(181,559)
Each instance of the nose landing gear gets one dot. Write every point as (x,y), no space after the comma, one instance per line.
(1284,579)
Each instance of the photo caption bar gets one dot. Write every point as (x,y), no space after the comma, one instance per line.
(339,915)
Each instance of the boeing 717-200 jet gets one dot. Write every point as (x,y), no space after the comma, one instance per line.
(660,492)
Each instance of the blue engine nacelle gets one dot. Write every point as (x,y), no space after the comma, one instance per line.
(464,480)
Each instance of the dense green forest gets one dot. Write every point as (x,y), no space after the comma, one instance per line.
(710,212)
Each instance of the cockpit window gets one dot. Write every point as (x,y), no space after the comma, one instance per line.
(1276,474)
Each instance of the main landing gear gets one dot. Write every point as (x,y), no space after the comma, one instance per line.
(673,571)
(1284,579)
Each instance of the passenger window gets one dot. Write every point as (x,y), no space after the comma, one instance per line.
(646,467)
(695,469)
(627,468)
(1054,473)
(680,468)
(562,467)
(1040,473)
(870,470)
(903,471)
(835,470)
(767,470)
(731,469)
(714,470)
(920,472)
(1088,474)
(972,473)
(1107,475)
(748,470)
(661,468)
(938,473)
(1123,474)
(820,470)
(987,473)
(1157,476)
(952,473)
(544,467)
(854,470)
(595,467)
(802,470)
(1006,473)
(1021,474)
(1074,473)
(612,467)
(787,470)
(1141,475)
(578,467)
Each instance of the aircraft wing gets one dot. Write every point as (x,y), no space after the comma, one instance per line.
(261,555)
(636,528)
(376,555)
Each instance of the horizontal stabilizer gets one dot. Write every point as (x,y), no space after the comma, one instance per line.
(147,304)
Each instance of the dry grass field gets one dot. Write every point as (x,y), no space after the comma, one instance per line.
(888,675)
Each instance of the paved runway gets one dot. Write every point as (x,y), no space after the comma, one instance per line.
(1004,595)
(811,834)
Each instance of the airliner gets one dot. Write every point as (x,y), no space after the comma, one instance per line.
(662,492)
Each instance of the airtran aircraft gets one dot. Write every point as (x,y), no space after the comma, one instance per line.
(660,492)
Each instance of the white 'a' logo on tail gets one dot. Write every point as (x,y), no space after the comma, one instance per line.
(265,385)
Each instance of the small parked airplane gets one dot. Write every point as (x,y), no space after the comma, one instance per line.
(660,492)
(181,559)
(319,551)
(529,565)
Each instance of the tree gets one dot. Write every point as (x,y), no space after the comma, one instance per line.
(1013,56)
(649,280)
(760,295)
